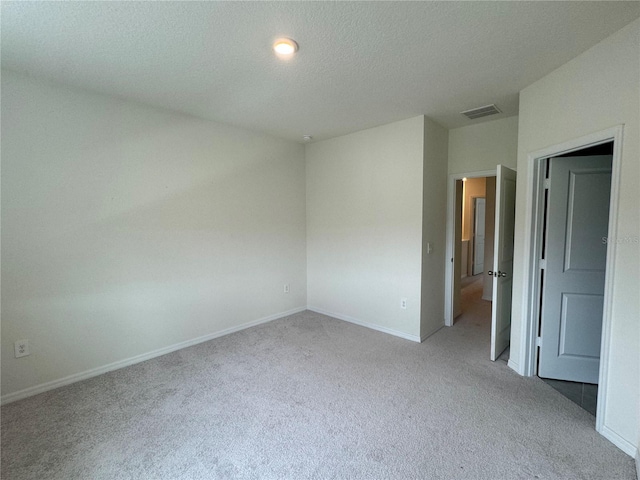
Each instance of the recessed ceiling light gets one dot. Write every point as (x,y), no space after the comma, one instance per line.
(285,46)
(307,138)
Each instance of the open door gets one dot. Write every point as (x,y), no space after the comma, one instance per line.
(574,270)
(502,272)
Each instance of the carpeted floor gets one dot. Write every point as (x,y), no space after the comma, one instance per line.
(309,396)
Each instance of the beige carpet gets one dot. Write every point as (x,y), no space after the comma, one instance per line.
(309,396)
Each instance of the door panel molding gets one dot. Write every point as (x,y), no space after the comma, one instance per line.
(569,300)
(577,187)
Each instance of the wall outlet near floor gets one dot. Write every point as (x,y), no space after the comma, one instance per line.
(286,288)
(403,303)
(21,348)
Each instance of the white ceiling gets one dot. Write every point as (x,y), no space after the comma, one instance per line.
(360,64)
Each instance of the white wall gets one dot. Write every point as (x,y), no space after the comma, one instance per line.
(595,91)
(434,216)
(364,225)
(127,229)
(480,147)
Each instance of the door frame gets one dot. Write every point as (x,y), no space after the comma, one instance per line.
(450,251)
(533,227)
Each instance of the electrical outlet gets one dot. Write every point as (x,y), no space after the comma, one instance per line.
(286,288)
(403,303)
(22,348)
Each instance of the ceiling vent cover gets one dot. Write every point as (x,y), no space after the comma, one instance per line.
(481,112)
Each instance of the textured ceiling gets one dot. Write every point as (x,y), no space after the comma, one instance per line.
(360,64)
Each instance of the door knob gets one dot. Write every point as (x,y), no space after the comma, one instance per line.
(491,273)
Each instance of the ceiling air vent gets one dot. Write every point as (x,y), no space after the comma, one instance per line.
(481,112)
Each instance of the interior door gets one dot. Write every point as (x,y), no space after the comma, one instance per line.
(478,235)
(575,255)
(502,272)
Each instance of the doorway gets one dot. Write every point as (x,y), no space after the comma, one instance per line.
(535,237)
(454,268)
(498,253)
(572,273)
(474,240)
(472,298)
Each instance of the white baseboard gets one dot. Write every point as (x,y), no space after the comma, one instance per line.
(373,326)
(624,445)
(77,377)
(514,366)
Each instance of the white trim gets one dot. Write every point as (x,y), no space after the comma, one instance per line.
(372,326)
(448,265)
(624,445)
(77,377)
(533,240)
(607,312)
(513,365)
(530,290)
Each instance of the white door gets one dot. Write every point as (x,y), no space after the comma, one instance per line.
(478,236)
(575,255)
(503,260)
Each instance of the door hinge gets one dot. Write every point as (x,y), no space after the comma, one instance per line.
(542,263)
(547,183)
(538,341)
